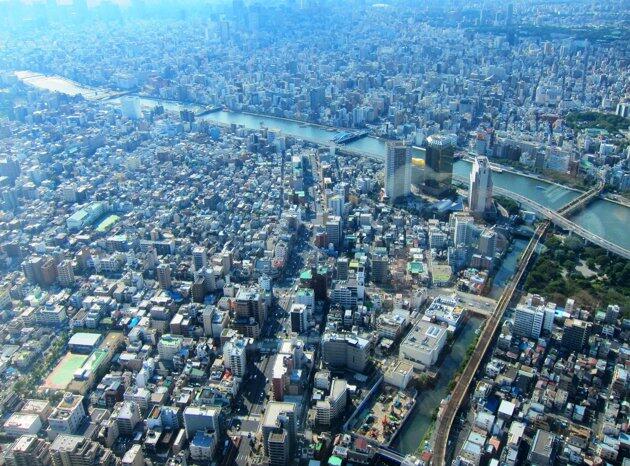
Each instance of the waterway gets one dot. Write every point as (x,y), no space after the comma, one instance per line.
(507,268)
(428,400)
(604,218)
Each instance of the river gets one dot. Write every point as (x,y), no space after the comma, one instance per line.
(604,218)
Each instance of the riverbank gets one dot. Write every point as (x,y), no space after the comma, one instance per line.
(534,176)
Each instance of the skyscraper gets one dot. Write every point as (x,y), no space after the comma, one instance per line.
(439,164)
(397,171)
(480,189)
(200,257)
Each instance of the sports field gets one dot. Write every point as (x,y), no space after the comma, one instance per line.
(63,372)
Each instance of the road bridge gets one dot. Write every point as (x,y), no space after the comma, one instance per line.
(559,217)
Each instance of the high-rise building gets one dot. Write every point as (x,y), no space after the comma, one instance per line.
(201,418)
(480,189)
(533,317)
(203,446)
(397,171)
(200,258)
(543,450)
(279,432)
(65,273)
(346,350)
(488,243)
(439,164)
(299,318)
(528,321)
(134,456)
(33,269)
(379,268)
(164,276)
(251,312)
(67,416)
(131,107)
(612,313)
(342,268)
(334,230)
(169,346)
(127,415)
(462,228)
(75,450)
(331,407)
(575,334)
(28,450)
(335,205)
(235,355)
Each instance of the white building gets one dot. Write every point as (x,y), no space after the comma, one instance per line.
(530,321)
(445,309)
(133,456)
(334,404)
(462,228)
(235,355)
(22,424)
(480,188)
(398,374)
(335,205)
(168,346)
(422,345)
(203,446)
(67,416)
(201,418)
(390,325)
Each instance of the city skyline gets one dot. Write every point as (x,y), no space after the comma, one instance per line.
(308,232)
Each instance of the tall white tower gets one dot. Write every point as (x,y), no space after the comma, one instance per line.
(480,189)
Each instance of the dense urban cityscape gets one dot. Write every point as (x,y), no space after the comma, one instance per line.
(315,232)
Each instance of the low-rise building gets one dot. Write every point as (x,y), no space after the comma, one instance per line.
(423,344)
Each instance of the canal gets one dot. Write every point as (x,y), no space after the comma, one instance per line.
(428,400)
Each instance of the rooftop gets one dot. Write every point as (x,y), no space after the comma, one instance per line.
(274,409)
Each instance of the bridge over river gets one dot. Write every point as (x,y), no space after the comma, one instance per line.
(559,217)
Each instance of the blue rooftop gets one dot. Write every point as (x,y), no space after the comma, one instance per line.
(202,439)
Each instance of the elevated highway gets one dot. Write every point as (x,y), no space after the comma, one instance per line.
(559,217)
(449,411)
(458,396)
